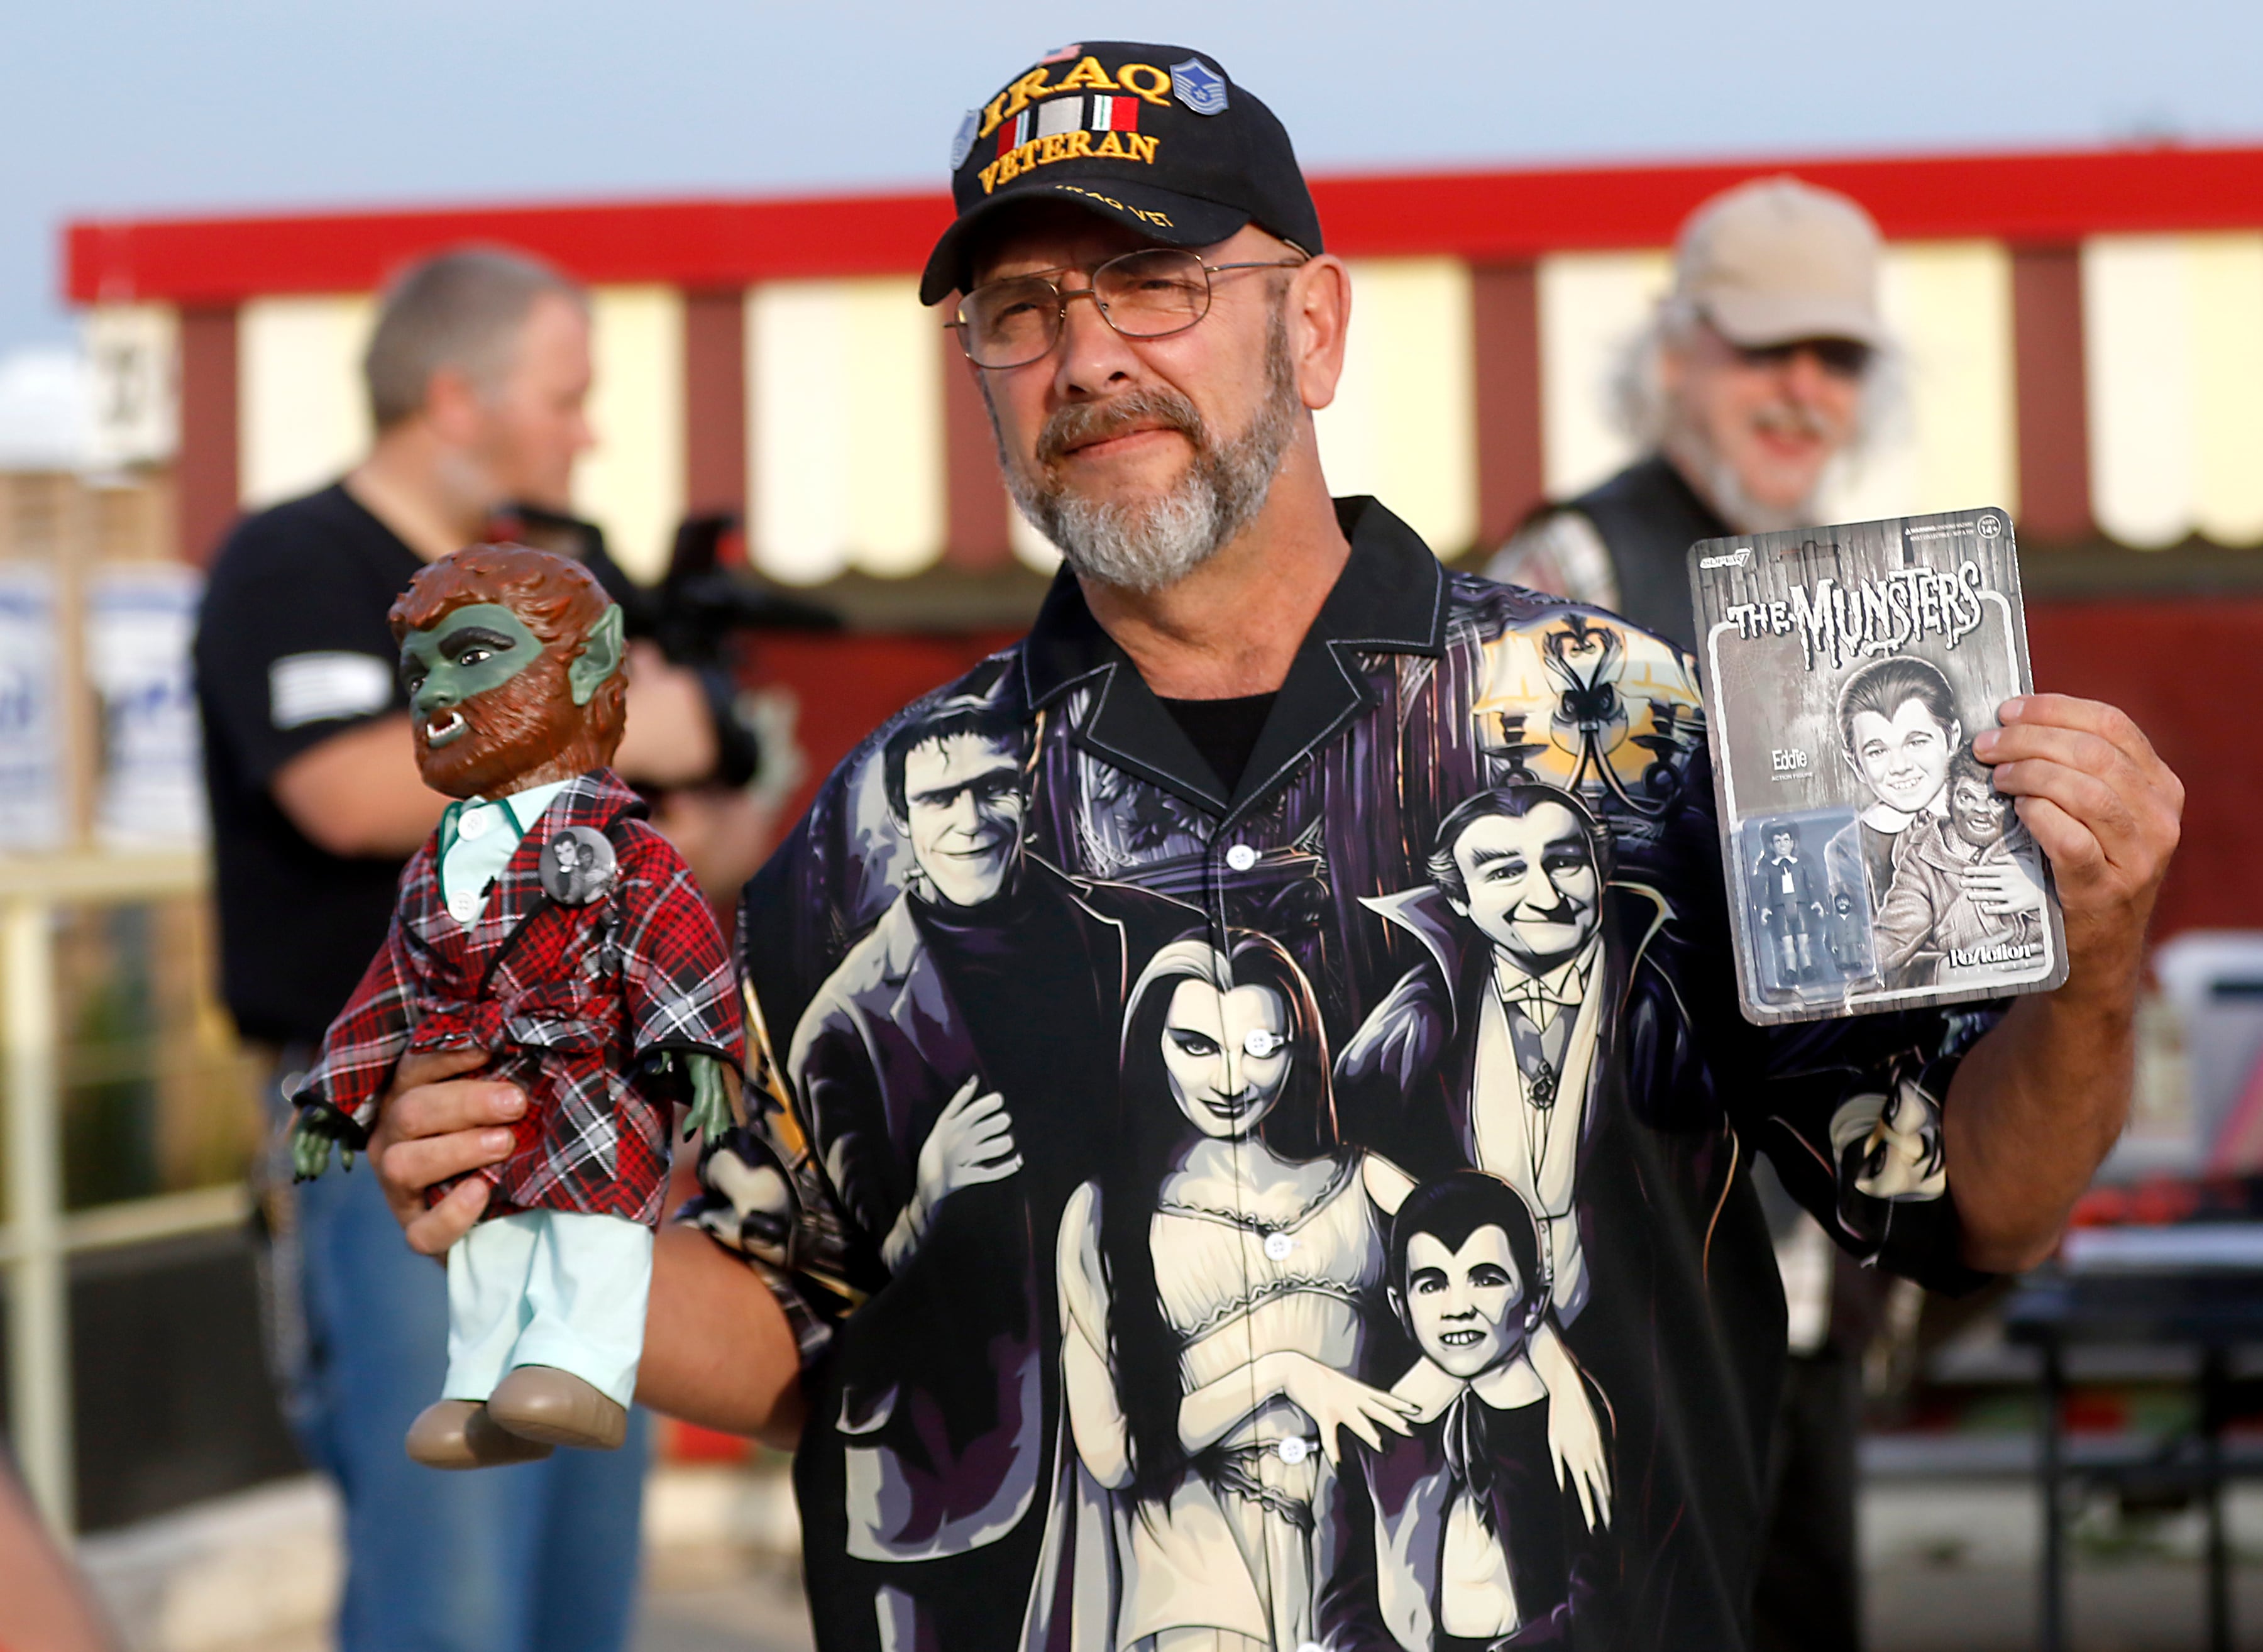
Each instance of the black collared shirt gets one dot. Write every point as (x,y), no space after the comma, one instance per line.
(1093,1406)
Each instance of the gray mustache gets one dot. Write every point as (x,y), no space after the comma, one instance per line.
(1096,421)
(1795,420)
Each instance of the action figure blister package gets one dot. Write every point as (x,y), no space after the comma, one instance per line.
(1871,863)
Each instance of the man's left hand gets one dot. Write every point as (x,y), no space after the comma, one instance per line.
(2038,1102)
(670,738)
(2104,807)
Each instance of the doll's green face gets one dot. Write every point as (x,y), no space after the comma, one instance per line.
(491,703)
(505,690)
(466,653)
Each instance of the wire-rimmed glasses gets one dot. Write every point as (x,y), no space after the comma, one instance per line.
(1149,294)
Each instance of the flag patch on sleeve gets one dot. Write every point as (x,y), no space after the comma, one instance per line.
(319,687)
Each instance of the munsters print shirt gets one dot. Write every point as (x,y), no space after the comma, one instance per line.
(1311,1213)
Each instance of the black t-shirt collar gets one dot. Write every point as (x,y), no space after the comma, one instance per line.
(1390,597)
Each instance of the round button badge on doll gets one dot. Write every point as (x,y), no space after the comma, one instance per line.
(577,865)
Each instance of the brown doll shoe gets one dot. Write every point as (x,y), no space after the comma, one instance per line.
(540,1402)
(461,1434)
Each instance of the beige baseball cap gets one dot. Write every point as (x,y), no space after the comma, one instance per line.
(1776,260)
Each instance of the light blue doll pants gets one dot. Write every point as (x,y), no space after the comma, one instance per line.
(548,1287)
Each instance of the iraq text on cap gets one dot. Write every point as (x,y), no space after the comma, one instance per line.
(1158,138)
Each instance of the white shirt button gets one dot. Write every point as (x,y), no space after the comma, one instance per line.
(1241,856)
(1294,1450)
(464,906)
(473,823)
(1277,1246)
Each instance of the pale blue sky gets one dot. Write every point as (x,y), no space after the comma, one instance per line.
(111,108)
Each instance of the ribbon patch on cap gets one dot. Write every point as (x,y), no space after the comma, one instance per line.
(1102,111)
(962,142)
(1141,80)
(1064,130)
(1200,87)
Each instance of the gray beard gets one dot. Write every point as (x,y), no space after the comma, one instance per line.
(1147,545)
(1715,479)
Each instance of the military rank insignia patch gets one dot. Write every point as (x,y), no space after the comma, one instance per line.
(1199,87)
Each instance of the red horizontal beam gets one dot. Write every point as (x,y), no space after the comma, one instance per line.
(2015,197)
(684,244)
(2023,198)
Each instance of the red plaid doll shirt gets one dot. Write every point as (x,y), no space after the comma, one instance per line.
(573,1002)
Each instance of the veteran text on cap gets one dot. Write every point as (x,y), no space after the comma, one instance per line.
(1158,138)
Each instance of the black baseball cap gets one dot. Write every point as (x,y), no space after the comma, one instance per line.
(1155,137)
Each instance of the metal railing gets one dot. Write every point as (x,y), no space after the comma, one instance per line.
(39,1239)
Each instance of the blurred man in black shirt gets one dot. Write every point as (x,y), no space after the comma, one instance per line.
(477,374)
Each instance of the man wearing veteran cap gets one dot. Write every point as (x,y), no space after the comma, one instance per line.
(1267,703)
(1764,363)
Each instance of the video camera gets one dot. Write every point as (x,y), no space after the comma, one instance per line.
(701,614)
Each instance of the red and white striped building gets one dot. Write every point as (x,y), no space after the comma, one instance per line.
(2083,336)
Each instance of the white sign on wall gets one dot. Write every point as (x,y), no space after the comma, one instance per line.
(133,355)
(33,815)
(140,620)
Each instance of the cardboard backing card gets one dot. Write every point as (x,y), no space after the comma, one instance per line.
(1871,866)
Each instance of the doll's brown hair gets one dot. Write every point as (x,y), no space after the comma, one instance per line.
(559,600)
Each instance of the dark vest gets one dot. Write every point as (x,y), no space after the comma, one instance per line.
(1649,517)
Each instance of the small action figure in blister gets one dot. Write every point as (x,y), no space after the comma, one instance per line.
(1791,903)
(547,924)
(1850,936)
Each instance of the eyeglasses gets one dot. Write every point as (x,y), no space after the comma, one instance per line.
(1841,357)
(1150,294)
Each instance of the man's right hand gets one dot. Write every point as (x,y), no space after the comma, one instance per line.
(434,1124)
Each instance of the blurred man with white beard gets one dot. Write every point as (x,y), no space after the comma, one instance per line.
(1761,367)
